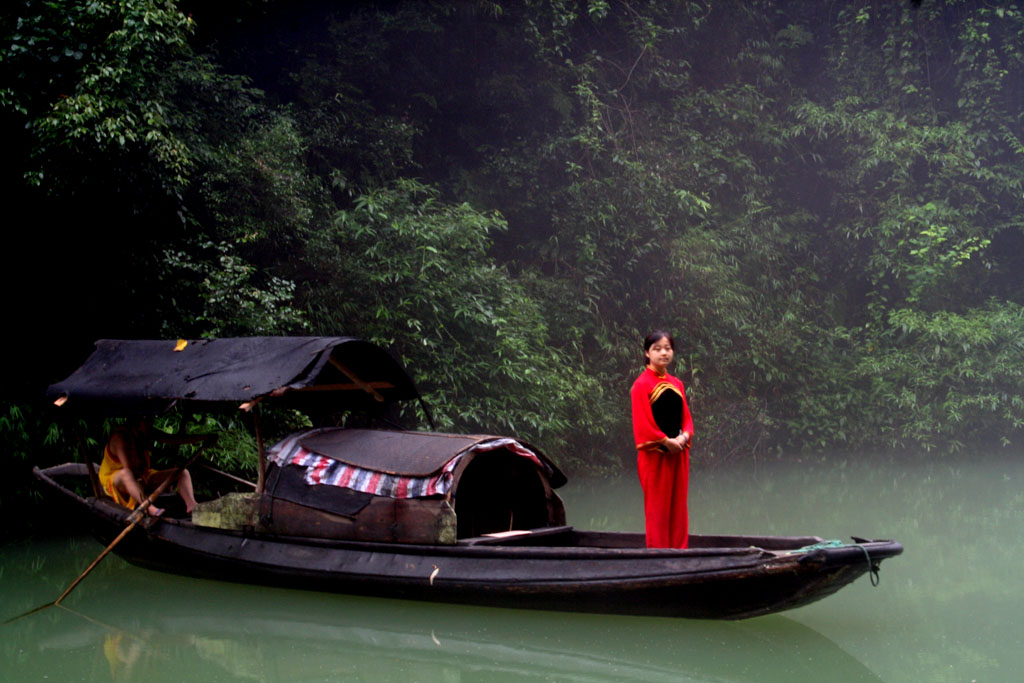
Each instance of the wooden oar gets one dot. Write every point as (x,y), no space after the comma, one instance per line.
(227,475)
(133,520)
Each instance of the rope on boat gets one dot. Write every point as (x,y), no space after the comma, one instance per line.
(872,568)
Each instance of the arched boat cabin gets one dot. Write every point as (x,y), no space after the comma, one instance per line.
(406,487)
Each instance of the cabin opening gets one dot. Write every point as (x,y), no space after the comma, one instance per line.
(501,491)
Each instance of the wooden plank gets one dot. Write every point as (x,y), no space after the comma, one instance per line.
(347,387)
(352,376)
(386,520)
(519,536)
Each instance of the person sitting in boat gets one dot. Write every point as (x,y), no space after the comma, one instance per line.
(662,429)
(126,474)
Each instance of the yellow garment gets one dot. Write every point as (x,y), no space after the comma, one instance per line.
(110,466)
(111,645)
(122,651)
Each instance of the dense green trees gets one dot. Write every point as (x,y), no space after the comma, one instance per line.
(823,200)
(926,198)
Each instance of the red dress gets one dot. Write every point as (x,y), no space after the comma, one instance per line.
(659,411)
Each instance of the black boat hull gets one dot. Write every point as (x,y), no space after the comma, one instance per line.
(729,578)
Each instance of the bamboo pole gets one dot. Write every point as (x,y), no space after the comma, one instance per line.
(133,520)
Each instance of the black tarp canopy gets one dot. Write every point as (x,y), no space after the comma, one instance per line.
(332,374)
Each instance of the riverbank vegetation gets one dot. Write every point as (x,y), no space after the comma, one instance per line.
(822,200)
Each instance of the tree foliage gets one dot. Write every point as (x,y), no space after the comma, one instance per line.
(822,200)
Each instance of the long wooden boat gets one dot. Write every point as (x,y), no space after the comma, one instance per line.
(457,518)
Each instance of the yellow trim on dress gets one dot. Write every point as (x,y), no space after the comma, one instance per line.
(660,388)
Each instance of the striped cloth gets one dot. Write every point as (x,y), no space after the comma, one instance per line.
(321,470)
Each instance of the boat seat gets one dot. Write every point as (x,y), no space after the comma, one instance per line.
(518,536)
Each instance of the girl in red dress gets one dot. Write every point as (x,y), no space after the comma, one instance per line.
(662,429)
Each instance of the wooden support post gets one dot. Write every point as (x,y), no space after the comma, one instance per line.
(260,450)
(94,479)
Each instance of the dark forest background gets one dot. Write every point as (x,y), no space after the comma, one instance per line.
(823,200)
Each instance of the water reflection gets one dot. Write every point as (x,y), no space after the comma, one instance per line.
(132,624)
(949,609)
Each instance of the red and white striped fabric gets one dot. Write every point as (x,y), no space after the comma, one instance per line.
(321,470)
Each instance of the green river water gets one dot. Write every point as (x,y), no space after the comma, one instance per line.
(949,609)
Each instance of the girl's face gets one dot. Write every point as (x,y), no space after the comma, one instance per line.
(660,354)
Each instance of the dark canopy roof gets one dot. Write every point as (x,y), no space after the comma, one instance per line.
(148,376)
(407,453)
(404,453)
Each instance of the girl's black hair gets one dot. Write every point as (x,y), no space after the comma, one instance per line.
(656,336)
